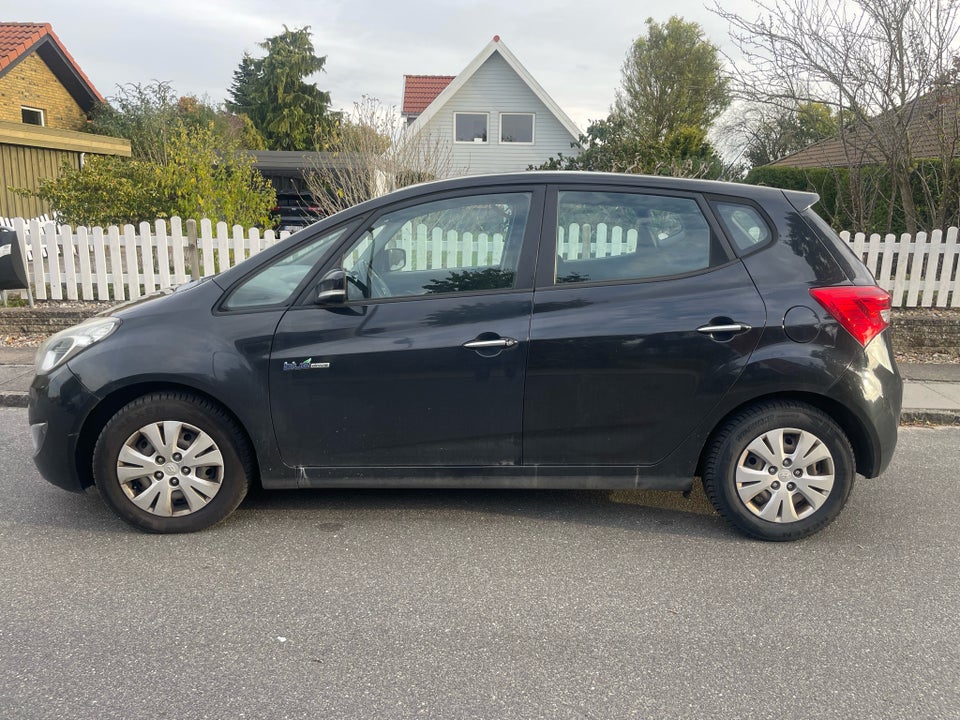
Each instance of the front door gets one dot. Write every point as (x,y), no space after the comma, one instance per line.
(423,364)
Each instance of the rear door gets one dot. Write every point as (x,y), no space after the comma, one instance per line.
(642,321)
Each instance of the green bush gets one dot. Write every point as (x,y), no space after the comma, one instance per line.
(201,178)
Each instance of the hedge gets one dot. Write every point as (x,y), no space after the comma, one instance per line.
(834,187)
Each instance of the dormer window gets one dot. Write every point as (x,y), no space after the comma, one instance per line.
(32,116)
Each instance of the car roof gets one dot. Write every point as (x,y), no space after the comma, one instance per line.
(758,193)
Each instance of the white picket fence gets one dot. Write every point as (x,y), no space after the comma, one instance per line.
(124,263)
(9,222)
(431,248)
(115,263)
(919,271)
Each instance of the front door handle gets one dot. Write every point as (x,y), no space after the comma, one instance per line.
(488,344)
(733,328)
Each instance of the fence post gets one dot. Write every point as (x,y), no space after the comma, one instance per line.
(192,251)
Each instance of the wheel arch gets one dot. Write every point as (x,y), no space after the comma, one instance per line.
(118,398)
(865,450)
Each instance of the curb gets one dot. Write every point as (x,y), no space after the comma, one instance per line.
(13,399)
(930,417)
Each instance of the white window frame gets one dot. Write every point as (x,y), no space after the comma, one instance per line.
(43,115)
(533,129)
(470,142)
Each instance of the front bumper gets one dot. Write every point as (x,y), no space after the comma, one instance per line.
(58,406)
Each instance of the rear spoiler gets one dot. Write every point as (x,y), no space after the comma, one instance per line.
(801,200)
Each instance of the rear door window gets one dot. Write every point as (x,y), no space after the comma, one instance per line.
(608,236)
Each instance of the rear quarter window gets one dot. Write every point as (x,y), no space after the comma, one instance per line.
(842,252)
(744,225)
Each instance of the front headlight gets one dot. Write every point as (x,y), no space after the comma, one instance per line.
(59,348)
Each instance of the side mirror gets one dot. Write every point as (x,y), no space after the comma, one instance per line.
(390,259)
(397,258)
(332,289)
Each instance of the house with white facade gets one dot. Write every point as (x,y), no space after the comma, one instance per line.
(493,116)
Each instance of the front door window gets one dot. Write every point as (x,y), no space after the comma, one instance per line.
(465,244)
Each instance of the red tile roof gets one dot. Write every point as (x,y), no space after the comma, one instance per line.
(16,39)
(421,90)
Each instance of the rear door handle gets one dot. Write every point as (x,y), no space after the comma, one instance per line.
(487,344)
(734,328)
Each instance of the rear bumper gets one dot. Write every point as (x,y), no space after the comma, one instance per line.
(872,389)
(58,405)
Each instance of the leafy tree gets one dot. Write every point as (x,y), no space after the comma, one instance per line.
(610,146)
(770,137)
(200,177)
(672,89)
(243,86)
(150,115)
(288,111)
(205,178)
(672,80)
(189,158)
(108,190)
(146,115)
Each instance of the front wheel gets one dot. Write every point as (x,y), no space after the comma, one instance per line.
(171,462)
(779,470)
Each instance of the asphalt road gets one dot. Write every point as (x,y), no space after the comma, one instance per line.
(476,604)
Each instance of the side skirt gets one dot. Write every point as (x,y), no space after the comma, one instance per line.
(593,477)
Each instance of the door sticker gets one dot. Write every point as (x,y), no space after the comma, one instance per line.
(307,364)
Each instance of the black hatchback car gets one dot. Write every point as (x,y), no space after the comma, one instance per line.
(535,330)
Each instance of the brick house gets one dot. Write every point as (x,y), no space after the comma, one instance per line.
(45,100)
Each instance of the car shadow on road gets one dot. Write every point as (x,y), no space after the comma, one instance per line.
(655,511)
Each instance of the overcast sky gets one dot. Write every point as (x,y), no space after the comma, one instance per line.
(574,49)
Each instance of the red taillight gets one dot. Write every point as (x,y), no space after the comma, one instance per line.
(864,310)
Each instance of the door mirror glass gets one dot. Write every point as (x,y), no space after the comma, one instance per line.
(389,260)
(397,258)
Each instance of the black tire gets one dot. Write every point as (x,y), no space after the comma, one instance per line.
(789,515)
(222,471)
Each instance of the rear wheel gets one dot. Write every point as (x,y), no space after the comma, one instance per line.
(171,462)
(779,471)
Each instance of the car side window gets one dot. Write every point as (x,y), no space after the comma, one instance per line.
(276,282)
(745,226)
(605,236)
(461,244)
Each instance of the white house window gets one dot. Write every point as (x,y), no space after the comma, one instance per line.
(516,128)
(31,116)
(470,127)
